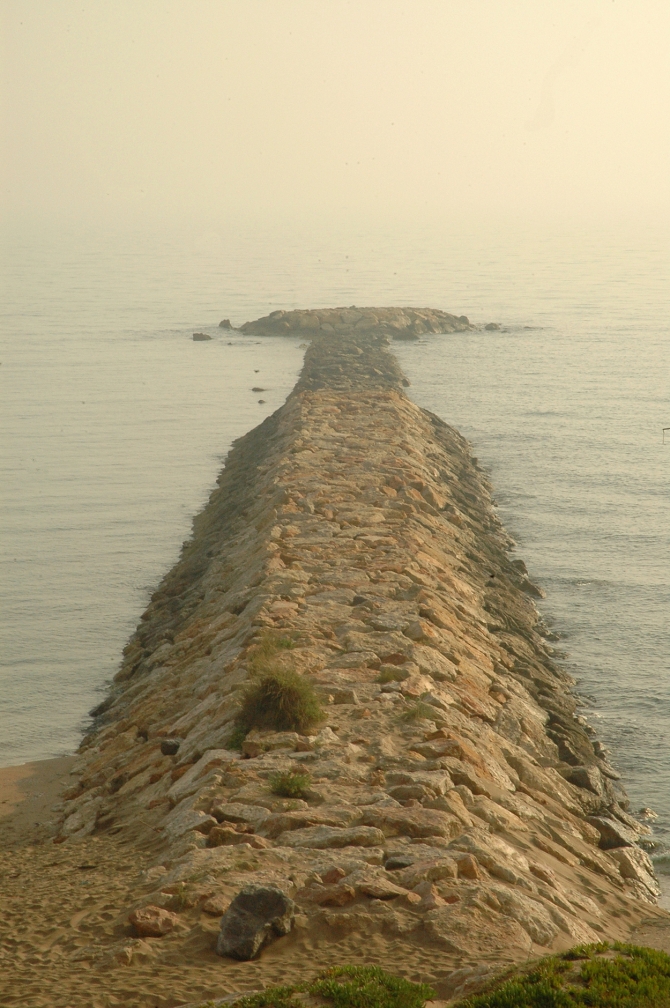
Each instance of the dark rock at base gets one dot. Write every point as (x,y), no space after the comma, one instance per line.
(464,319)
(492,326)
(257,388)
(170,746)
(200,337)
(398,861)
(613,834)
(406,336)
(101,707)
(588,778)
(256,916)
(225,324)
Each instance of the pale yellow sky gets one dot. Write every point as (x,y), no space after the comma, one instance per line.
(143,110)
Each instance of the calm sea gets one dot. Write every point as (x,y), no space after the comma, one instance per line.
(115,424)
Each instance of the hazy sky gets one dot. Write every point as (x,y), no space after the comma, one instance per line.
(143,110)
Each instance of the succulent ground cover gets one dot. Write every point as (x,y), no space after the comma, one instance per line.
(343,987)
(601,976)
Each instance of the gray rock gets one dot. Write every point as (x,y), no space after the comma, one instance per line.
(234,812)
(398,861)
(256,916)
(200,337)
(588,778)
(170,746)
(612,833)
(492,326)
(225,324)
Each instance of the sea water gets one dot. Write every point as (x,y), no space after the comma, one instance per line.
(116,423)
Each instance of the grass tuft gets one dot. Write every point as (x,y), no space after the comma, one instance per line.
(281,700)
(418,712)
(276,698)
(291,784)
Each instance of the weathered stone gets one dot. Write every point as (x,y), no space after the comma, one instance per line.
(170,746)
(332,895)
(412,822)
(216,905)
(588,778)
(152,921)
(323,837)
(183,820)
(283,822)
(256,916)
(221,836)
(234,812)
(612,833)
(636,864)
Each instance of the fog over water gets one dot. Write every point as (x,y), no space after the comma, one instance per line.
(172,164)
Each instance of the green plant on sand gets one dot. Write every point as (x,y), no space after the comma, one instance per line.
(601,976)
(290,784)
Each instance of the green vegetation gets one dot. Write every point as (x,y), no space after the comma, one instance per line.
(390,674)
(281,700)
(276,698)
(345,987)
(291,784)
(237,738)
(601,976)
(418,712)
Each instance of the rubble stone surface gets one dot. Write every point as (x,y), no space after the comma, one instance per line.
(351,539)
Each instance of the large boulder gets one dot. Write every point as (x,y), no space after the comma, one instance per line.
(612,833)
(256,916)
(412,822)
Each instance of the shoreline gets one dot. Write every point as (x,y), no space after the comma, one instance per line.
(28,792)
(454,793)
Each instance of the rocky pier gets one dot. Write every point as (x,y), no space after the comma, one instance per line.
(451,813)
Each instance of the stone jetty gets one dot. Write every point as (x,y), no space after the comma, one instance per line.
(452,811)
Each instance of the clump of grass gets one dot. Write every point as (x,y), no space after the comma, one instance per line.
(345,987)
(291,784)
(632,977)
(237,738)
(418,712)
(391,674)
(276,698)
(279,700)
(266,649)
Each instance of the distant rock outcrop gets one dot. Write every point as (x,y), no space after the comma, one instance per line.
(396,323)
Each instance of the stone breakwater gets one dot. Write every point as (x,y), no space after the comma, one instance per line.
(457,802)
